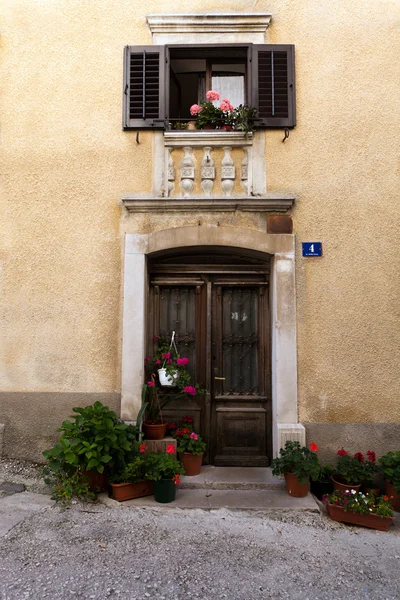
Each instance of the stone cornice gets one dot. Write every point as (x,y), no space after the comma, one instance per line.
(272,202)
(248,23)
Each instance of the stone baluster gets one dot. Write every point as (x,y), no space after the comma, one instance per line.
(171,172)
(227,172)
(207,172)
(187,172)
(245,171)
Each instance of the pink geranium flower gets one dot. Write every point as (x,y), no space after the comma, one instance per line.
(189,389)
(150,383)
(211,96)
(194,436)
(182,361)
(195,109)
(226,106)
(158,361)
(166,355)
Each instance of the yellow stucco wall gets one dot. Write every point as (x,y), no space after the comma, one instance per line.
(66,163)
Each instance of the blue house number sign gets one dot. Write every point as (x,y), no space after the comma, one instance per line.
(312,248)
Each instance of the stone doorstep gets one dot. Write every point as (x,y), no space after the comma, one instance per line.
(210,499)
(231,488)
(233,478)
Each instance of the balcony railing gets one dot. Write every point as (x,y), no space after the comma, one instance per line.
(208,164)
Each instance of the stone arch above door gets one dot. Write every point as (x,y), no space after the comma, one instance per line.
(283,314)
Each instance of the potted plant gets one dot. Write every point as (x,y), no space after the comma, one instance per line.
(243,118)
(297,463)
(360,509)
(349,471)
(93,441)
(390,467)
(165,470)
(190,448)
(323,484)
(130,482)
(208,116)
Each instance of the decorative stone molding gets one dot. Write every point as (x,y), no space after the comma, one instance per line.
(178,139)
(235,27)
(282,303)
(272,202)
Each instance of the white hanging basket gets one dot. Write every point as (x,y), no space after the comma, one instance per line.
(167,380)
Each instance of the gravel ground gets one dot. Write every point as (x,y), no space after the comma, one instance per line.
(94,552)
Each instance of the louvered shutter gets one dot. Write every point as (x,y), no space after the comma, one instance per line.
(273,85)
(144,87)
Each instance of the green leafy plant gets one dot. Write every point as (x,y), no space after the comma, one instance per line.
(163,465)
(93,439)
(67,484)
(133,472)
(326,471)
(180,125)
(350,469)
(390,467)
(364,504)
(299,460)
(243,118)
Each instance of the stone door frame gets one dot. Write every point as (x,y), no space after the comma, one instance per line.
(285,423)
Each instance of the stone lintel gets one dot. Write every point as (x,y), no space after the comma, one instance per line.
(269,203)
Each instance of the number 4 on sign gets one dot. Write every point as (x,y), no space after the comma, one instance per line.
(312,248)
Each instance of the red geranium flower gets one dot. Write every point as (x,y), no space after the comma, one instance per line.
(313,447)
(188,419)
(359,456)
(142,448)
(166,355)
(176,479)
(342,452)
(371,456)
(170,449)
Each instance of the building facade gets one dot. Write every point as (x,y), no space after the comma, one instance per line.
(113,233)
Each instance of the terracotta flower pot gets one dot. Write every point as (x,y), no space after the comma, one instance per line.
(337,513)
(294,487)
(342,487)
(164,491)
(128,491)
(390,491)
(154,431)
(191,463)
(97,481)
(208,126)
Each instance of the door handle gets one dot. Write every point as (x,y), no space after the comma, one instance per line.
(220,378)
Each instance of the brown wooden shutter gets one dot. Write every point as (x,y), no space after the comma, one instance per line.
(144,87)
(273,85)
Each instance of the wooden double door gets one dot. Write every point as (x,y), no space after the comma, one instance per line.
(221,320)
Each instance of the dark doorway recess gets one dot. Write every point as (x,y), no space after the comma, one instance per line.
(216,299)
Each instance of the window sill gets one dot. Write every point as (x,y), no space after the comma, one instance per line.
(202,137)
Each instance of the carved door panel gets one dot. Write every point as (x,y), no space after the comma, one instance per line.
(180,306)
(240,420)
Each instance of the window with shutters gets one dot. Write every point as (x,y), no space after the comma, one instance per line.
(162,82)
